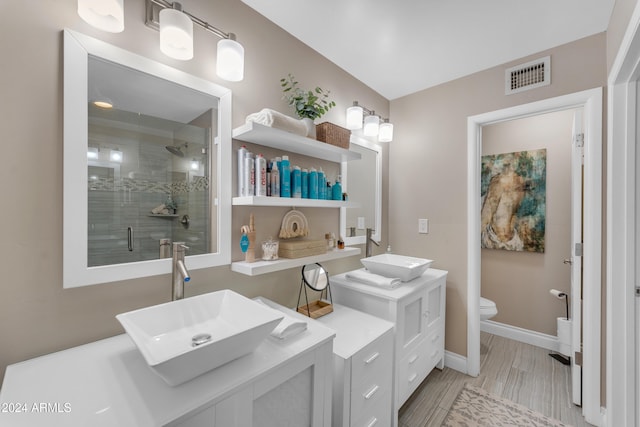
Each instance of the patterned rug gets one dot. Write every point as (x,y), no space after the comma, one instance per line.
(476,407)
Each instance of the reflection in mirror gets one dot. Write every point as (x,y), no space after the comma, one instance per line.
(143,147)
(315,276)
(362,181)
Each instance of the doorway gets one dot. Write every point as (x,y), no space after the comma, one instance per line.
(591,101)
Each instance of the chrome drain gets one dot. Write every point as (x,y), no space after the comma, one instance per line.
(200,339)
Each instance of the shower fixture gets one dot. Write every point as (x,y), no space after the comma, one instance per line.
(176,150)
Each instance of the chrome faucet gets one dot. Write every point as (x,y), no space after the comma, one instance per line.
(369,241)
(179,273)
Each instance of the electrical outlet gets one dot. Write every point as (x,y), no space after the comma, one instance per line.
(423,226)
(360,223)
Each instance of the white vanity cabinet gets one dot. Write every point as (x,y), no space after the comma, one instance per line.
(362,368)
(417,309)
(108,383)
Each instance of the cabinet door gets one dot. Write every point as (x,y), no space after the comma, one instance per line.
(435,307)
(411,322)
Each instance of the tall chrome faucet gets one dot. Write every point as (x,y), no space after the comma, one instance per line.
(179,272)
(370,240)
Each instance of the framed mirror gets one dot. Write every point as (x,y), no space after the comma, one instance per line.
(143,150)
(315,276)
(362,181)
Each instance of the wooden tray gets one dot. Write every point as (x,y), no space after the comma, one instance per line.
(316,309)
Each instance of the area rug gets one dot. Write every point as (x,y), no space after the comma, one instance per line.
(476,407)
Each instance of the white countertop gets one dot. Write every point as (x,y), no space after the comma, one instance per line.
(404,289)
(108,383)
(354,329)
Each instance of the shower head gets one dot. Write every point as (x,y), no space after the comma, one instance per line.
(176,150)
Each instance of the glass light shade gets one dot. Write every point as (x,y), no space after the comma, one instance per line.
(354,117)
(230,60)
(176,34)
(106,15)
(195,165)
(371,125)
(93,153)
(116,156)
(386,132)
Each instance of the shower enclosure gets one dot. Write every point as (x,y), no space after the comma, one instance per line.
(148,185)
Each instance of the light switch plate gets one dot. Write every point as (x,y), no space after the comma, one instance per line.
(423,226)
(360,223)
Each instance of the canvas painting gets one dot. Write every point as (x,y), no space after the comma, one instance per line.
(514,200)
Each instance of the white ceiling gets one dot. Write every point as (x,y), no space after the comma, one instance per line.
(403,46)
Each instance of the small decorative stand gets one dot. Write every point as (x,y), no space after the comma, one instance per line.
(316,278)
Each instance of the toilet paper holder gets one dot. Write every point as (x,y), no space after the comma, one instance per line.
(561,295)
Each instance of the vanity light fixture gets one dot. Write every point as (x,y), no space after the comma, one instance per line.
(93,153)
(356,119)
(104,103)
(116,156)
(230,55)
(106,15)
(195,165)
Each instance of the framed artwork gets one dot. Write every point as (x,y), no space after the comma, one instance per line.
(513,190)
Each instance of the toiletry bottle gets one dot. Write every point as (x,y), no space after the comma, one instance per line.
(261,175)
(268,183)
(313,184)
(304,181)
(242,152)
(336,190)
(322,185)
(249,173)
(296,182)
(275,180)
(327,194)
(285,178)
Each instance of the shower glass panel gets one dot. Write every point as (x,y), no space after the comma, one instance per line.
(155,190)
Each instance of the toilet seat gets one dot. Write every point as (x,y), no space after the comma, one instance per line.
(486,303)
(488,309)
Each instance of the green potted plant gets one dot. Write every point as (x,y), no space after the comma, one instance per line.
(308,104)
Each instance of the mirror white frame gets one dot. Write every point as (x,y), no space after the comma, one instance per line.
(76,272)
(377,234)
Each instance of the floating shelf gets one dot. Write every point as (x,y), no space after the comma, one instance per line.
(290,142)
(292,202)
(163,215)
(263,267)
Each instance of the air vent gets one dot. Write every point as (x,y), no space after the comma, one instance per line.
(528,76)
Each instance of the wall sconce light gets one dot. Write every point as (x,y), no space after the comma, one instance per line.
(106,15)
(371,122)
(116,156)
(195,165)
(93,153)
(230,55)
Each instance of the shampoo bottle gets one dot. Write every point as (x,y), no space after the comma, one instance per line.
(242,153)
(275,180)
(304,179)
(249,175)
(336,190)
(261,176)
(285,178)
(313,184)
(322,185)
(296,182)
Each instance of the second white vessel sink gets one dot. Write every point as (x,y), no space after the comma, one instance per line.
(183,339)
(403,267)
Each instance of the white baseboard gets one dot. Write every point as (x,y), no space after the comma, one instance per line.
(538,339)
(455,361)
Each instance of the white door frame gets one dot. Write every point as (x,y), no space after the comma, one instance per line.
(621,228)
(591,101)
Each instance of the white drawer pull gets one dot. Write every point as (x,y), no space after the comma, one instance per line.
(371,358)
(413,359)
(373,422)
(371,392)
(412,377)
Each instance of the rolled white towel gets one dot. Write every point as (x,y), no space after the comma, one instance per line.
(368,278)
(288,326)
(272,118)
(158,209)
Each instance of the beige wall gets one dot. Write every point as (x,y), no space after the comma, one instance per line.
(430,150)
(37,315)
(620,16)
(519,282)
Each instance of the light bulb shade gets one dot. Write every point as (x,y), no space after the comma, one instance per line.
(93,153)
(371,125)
(354,117)
(230,60)
(195,165)
(116,156)
(176,34)
(386,132)
(106,15)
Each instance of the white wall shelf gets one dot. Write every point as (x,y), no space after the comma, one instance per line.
(263,267)
(286,141)
(292,202)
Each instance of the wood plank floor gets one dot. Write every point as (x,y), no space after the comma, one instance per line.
(516,371)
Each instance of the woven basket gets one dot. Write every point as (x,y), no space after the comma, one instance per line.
(333,134)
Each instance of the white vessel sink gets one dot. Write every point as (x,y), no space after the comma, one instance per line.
(183,339)
(391,265)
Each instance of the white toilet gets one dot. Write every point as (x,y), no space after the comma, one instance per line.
(488,309)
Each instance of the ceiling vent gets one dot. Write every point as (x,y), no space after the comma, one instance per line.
(528,76)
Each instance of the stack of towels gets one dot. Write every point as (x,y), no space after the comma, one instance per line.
(160,210)
(288,326)
(368,278)
(272,118)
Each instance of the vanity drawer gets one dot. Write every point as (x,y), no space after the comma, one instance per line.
(412,370)
(369,394)
(434,349)
(373,360)
(379,415)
